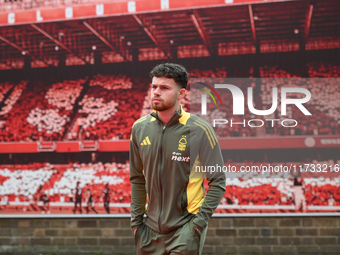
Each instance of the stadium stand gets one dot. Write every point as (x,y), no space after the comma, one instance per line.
(102,113)
(4,88)
(323,106)
(17,5)
(94,108)
(40,113)
(23,185)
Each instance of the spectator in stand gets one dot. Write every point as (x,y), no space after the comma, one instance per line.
(78,197)
(46,203)
(331,200)
(32,204)
(299,196)
(4,202)
(107,195)
(229,199)
(89,200)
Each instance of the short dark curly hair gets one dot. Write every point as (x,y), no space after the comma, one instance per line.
(171,70)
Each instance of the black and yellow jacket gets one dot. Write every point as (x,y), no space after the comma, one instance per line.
(163,167)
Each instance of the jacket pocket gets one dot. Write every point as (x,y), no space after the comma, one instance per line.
(139,231)
(184,202)
(194,232)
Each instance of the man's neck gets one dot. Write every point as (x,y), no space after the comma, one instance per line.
(165,116)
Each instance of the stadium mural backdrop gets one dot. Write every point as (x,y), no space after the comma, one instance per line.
(280,137)
(247,114)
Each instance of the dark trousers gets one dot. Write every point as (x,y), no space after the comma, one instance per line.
(184,240)
(76,203)
(107,206)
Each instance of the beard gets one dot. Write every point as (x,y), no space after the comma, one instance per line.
(163,105)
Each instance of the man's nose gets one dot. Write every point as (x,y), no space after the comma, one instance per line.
(156,91)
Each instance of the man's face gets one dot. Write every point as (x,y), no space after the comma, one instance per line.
(165,93)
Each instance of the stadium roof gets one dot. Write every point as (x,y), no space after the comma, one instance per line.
(178,32)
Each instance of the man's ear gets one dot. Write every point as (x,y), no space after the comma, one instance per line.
(181,93)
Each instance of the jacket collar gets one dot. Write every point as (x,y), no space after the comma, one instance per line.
(173,120)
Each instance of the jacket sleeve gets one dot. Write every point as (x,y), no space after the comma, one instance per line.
(137,179)
(210,155)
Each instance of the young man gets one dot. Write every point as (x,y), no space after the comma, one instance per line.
(89,200)
(107,198)
(165,149)
(78,197)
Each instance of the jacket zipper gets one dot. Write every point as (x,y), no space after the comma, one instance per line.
(160,181)
(159,174)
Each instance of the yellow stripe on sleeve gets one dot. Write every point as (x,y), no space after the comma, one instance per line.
(211,132)
(195,191)
(207,133)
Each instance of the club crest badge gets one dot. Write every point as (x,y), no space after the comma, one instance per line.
(182,144)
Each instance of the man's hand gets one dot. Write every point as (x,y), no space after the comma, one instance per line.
(134,231)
